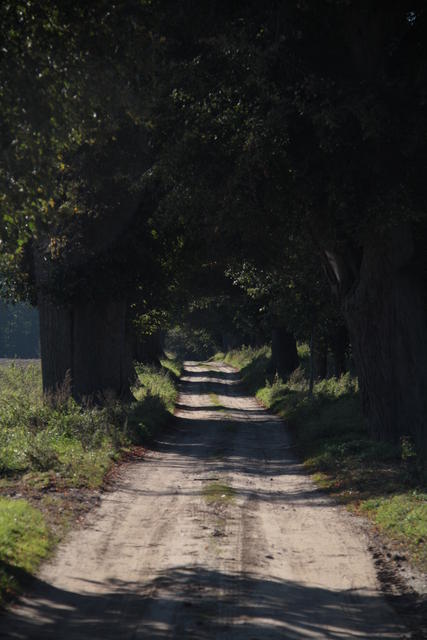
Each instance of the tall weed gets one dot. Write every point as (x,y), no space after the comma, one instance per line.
(77,441)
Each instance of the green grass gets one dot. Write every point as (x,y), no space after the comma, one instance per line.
(218,492)
(330,433)
(253,365)
(172,366)
(157,382)
(54,434)
(24,541)
(156,393)
(214,398)
(56,442)
(402,515)
(76,442)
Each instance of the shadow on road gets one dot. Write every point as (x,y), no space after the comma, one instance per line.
(200,604)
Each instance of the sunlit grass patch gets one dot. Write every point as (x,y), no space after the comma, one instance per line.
(404,516)
(173,366)
(76,441)
(218,492)
(156,394)
(156,381)
(55,444)
(253,364)
(214,398)
(24,541)
(331,436)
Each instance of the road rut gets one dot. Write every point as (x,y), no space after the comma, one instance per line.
(218,534)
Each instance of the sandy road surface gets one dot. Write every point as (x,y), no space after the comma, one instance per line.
(217,534)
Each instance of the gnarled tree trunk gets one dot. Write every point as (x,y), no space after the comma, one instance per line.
(385,312)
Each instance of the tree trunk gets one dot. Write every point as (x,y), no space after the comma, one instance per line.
(230,341)
(338,341)
(386,316)
(102,356)
(284,355)
(56,342)
(149,349)
(89,340)
(320,361)
(311,379)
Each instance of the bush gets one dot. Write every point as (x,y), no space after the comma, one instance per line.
(187,343)
(76,441)
(253,364)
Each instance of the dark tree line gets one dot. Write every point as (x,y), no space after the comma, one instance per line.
(149,146)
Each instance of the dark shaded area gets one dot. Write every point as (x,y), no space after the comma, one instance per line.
(237,606)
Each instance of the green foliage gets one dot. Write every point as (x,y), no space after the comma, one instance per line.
(173,367)
(218,493)
(55,434)
(404,516)
(157,381)
(53,441)
(24,541)
(252,363)
(143,144)
(190,343)
(77,443)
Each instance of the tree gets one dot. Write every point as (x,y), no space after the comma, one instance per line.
(290,129)
(304,118)
(76,235)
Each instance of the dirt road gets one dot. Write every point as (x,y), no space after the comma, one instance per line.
(217,534)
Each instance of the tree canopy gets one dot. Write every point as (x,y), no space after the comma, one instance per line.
(156,155)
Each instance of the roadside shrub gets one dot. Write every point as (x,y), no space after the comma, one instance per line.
(24,541)
(380,479)
(187,343)
(253,364)
(76,441)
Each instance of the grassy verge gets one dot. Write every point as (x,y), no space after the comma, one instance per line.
(24,540)
(172,366)
(252,363)
(371,478)
(55,452)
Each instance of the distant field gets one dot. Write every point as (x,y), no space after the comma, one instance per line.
(20,361)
